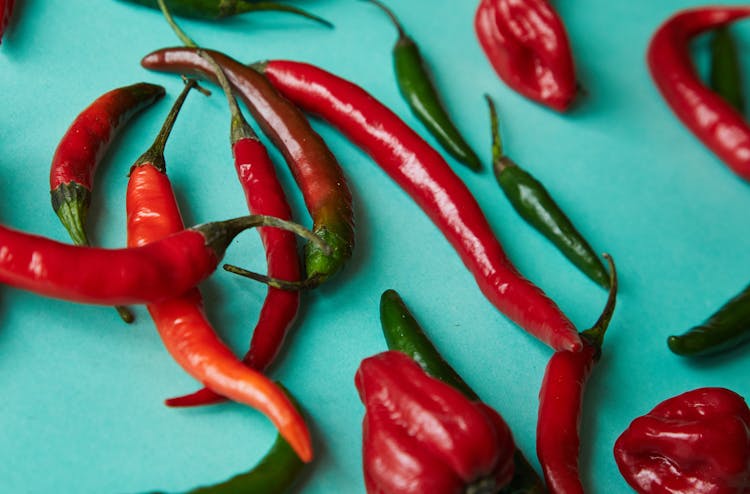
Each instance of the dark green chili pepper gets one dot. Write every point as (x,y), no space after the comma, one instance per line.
(726,76)
(725,329)
(417,88)
(403,333)
(275,473)
(218,9)
(532,201)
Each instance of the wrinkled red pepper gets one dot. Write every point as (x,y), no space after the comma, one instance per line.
(697,442)
(526,42)
(715,122)
(421,435)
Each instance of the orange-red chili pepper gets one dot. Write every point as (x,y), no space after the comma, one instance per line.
(526,42)
(153,213)
(426,177)
(712,119)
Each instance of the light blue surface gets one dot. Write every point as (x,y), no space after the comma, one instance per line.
(82,393)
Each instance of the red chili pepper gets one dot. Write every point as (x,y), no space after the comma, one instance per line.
(560,401)
(314,167)
(6,9)
(153,214)
(526,42)
(421,435)
(148,274)
(697,442)
(714,121)
(426,177)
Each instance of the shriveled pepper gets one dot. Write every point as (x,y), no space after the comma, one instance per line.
(219,9)
(526,42)
(696,442)
(403,333)
(421,435)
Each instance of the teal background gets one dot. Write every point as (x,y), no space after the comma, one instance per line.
(81,407)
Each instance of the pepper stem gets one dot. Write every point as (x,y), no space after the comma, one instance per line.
(255,6)
(392,16)
(499,160)
(155,154)
(595,335)
(240,128)
(219,234)
(277,283)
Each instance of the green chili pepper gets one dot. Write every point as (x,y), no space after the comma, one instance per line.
(275,473)
(417,88)
(403,333)
(725,329)
(218,9)
(532,201)
(726,76)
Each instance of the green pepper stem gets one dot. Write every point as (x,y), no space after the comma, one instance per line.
(499,160)
(595,335)
(277,283)
(392,16)
(155,154)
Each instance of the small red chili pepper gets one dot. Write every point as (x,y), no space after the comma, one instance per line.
(6,10)
(153,214)
(526,42)
(422,172)
(714,121)
(696,442)
(315,168)
(421,435)
(560,401)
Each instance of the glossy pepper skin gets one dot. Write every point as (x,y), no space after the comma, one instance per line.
(561,400)
(532,201)
(315,169)
(421,435)
(727,328)
(712,119)
(153,214)
(403,333)
(696,442)
(417,88)
(526,43)
(725,76)
(6,10)
(426,177)
(219,9)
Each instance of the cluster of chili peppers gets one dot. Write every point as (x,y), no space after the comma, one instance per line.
(414,400)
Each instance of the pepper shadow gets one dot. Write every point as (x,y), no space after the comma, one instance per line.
(722,358)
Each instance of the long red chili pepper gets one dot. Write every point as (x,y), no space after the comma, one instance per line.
(314,167)
(428,179)
(714,121)
(6,9)
(148,274)
(153,214)
(526,42)
(560,401)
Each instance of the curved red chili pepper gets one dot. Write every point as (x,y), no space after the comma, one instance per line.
(153,214)
(714,121)
(264,195)
(426,177)
(315,169)
(6,10)
(526,42)
(560,401)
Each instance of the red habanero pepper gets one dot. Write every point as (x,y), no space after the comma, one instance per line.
(315,169)
(713,120)
(422,172)
(152,273)
(153,213)
(560,401)
(526,43)
(6,10)
(422,435)
(696,442)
